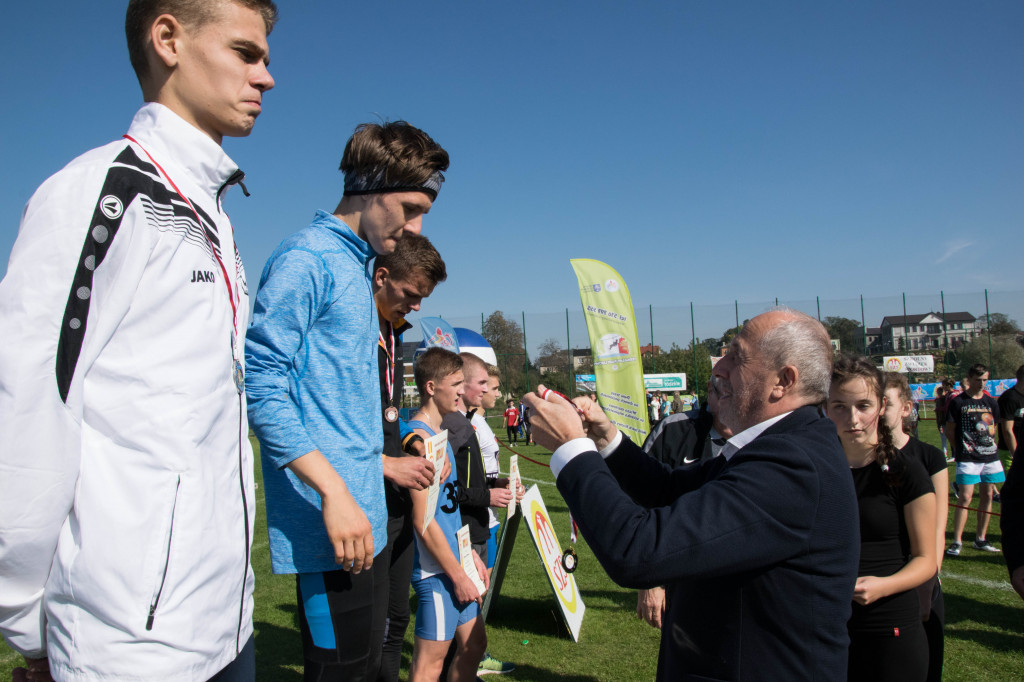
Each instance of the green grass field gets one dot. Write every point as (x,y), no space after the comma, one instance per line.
(984,617)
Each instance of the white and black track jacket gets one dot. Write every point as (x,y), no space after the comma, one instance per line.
(126,492)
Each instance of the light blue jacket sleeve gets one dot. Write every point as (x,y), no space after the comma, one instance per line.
(294,288)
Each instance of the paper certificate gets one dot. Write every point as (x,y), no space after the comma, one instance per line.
(466,559)
(513,482)
(437,452)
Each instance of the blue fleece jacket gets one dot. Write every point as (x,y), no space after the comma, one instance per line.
(312,384)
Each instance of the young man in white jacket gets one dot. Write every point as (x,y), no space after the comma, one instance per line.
(126,491)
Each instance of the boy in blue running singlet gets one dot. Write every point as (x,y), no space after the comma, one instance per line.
(449,604)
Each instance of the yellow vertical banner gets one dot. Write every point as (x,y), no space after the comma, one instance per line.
(611,325)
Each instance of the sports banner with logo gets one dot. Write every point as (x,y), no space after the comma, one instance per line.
(542,532)
(437,332)
(611,325)
(908,363)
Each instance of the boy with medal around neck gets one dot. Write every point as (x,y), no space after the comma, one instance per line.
(401,280)
(314,396)
(449,601)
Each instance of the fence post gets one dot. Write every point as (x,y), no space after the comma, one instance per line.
(988,328)
(863,325)
(526,359)
(945,334)
(568,353)
(906,333)
(654,367)
(693,351)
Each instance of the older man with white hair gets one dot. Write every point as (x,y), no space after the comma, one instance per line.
(758,548)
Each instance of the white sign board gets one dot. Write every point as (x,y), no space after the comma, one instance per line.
(665,382)
(467,560)
(544,539)
(437,451)
(513,482)
(908,363)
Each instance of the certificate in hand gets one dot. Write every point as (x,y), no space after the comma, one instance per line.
(513,482)
(437,450)
(466,559)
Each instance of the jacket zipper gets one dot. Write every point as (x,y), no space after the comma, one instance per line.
(167,561)
(245,524)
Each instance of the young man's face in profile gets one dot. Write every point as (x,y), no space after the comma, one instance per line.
(396,298)
(222,72)
(389,215)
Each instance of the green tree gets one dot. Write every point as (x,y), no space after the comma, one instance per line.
(551,354)
(678,360)
(999,324)
(842,328)
(1007,356)
(506,338)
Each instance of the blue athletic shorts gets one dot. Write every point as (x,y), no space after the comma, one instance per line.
(437,614)
(970,473)
(492,545)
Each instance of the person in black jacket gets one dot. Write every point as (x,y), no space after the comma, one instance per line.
(476,492)
(1011,523)
(758,547)
(682,439)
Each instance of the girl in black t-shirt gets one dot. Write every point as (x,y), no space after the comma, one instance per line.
(897,527)
(897,407)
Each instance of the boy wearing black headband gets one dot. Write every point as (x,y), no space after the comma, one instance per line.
(314,396)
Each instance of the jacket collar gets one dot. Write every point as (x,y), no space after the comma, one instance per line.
(359,249)
(187,150)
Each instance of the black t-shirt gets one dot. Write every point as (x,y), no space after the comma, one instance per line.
(930,457)
(1011,407)
(977,428)
(884,540)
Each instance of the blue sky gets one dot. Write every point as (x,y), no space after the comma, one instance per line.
(709,151)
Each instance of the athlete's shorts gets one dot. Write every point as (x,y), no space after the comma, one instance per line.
(969,473)
(437,615)
(492,545)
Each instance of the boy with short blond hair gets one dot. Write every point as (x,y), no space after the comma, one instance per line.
(449,604)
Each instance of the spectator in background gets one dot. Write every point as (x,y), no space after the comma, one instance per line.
(941,397)
(897,410)
(971,427)
(511,421)
(972,419)
(525,416)
(655,410)
(677,403)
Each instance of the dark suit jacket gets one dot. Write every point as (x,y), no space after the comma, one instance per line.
(758,553)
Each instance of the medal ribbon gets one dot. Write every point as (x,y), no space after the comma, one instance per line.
(390,378)
(223,270)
